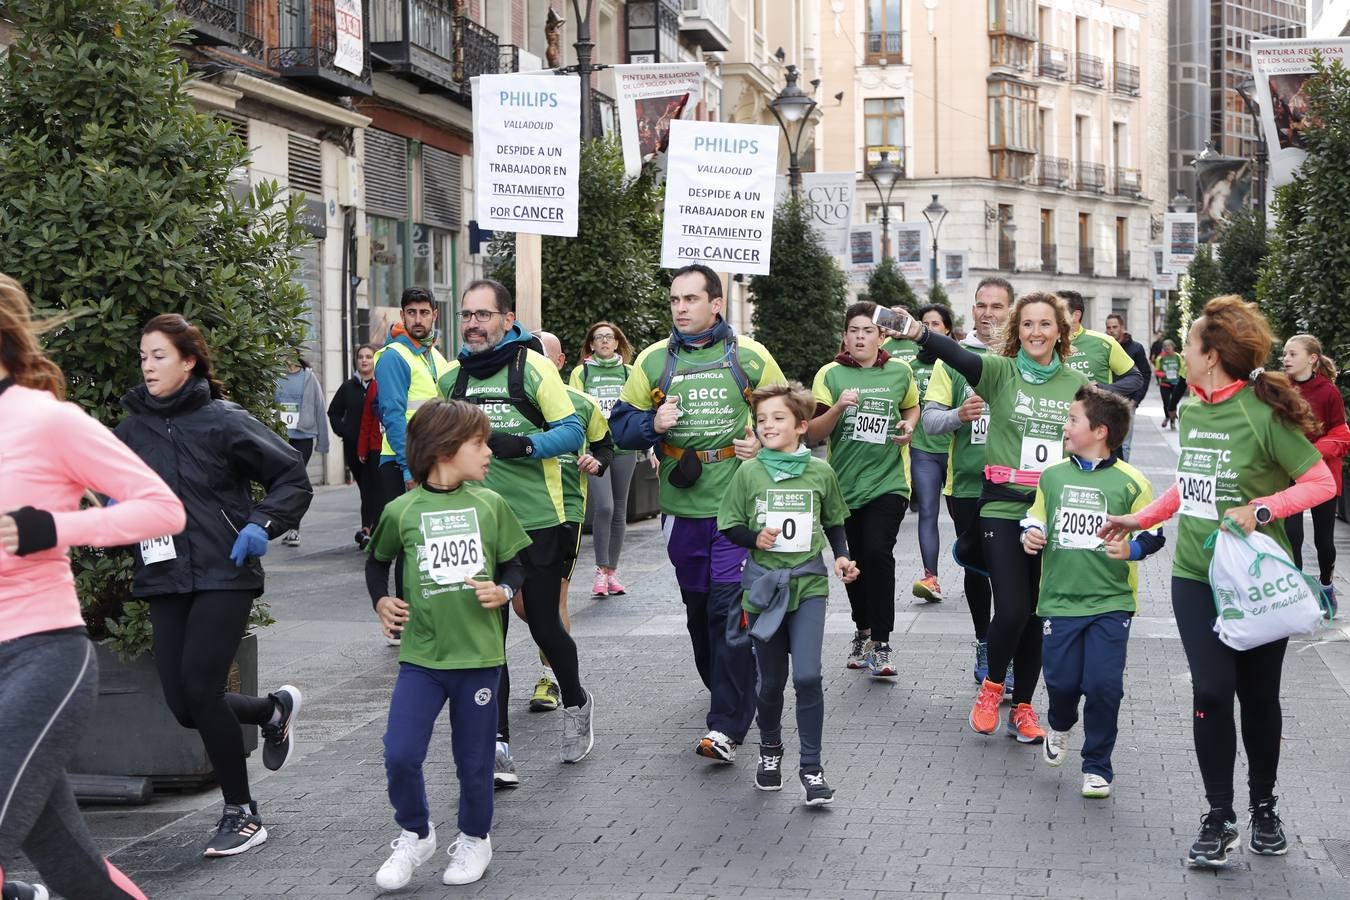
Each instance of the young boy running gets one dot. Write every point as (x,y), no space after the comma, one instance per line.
(1089,587)
(459,542)
(781,506)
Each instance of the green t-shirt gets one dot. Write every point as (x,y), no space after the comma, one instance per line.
(755,500)
(603,380)
(902,349)
(965,462)
(1026,423)
(1077,578)
(929,443)
(715,413)
(574,482)
(1170,365)
(865,460)
(1099,356)
(1231,453)
(435,530)
(532,487)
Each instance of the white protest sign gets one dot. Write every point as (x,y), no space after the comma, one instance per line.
(719,196)
(649,98)
(1281,70)
(527,153)
(350,53)
(1178,241)
(864,252)
(828,197)
(1162,280)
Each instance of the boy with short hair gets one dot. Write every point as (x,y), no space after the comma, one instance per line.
(459,543)
(782,505)
(1089,587)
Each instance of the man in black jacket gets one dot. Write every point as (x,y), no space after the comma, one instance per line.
(1115,326)
(344,415)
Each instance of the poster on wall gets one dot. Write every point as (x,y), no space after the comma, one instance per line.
(719,196)
(350,52)
(1281,69)
(527,153)
(828,197)
(1225,187)
(1162,279)
(909,247)
(864,252)
(1179,232)
(649,98)
(952,268)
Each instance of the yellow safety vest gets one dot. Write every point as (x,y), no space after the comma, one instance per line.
(423,373)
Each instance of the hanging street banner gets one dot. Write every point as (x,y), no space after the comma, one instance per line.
(1225,185)
(952,268)
(864,252)
(527,153)
(719,196)
(828,197)
(350,53)
(648,98)
(1162,281)
(1178,241)
(1281,68)
(910,248)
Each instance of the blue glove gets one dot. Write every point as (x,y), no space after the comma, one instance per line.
(252,541)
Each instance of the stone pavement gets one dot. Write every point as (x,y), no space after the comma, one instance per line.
(924,807)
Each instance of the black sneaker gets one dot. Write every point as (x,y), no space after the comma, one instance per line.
(279,739)
(238,830)
(22,890)
(769,775)
(1218,835)
(1267,837)
(818,790)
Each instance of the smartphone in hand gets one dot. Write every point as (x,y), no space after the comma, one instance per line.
(890,320)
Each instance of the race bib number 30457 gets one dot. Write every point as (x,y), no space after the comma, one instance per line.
(452,548)
(1197,481)
(872,420)
(792,514)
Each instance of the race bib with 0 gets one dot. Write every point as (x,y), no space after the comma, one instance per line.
(158,550)
(872,420)
(1042,444)
(290,415)
(1197,481)
(452,548)
(1080,515)
(791,513)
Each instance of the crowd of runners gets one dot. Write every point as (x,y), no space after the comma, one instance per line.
(476,474)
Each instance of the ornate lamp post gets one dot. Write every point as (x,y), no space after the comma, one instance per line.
(792,108)
(883,177)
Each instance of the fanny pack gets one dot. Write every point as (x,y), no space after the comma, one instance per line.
(1009,475)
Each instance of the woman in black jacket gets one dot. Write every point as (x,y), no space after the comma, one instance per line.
(344,415)
(201,582)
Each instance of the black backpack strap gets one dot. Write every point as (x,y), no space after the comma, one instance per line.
(461,388)
(515,390)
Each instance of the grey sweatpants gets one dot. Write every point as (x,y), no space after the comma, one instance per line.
(800,637)
(609,505)
(48,687)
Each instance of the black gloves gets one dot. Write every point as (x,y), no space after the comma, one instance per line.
(509,446)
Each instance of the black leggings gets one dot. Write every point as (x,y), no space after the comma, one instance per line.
(1218,674)
(195,639)
(391,487)
(871,531)
(965,513)
(1015,631)
(1324,537)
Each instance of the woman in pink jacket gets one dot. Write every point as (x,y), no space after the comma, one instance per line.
(53,452)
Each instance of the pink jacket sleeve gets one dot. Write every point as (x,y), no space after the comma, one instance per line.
(93,456)
(1313,487)
(1161,509)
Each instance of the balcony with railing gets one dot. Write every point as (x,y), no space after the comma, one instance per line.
(508,59)
(229,23)
(476,51)
(416,39)
(1087,69)
(1126,79)
(707,23)
(894,155)
(1052,171)
(1090,177)
(883,46)
(1087,261)
(1053,62)
(1128,182)
(1049,257)
(1007,254)
(1122,263)
(307,49)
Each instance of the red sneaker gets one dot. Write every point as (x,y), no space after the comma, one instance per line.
(984,716)
(1023,724)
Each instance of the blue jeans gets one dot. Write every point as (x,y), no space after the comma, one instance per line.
(1083,657)
(800,637)
(928,473)
(419,695)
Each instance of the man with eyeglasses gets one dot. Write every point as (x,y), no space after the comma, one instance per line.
(533,423)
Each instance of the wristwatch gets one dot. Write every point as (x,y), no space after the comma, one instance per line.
(509,591)
(1263,514)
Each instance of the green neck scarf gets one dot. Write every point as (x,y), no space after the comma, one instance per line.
(783,466)
(1033,372)
(615,360)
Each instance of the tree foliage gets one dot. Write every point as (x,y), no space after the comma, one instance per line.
(1242,248)
(799,306)
(116,205)
(1305,278)
(1172,330)
(611,269)
(887,287)
(1201,283)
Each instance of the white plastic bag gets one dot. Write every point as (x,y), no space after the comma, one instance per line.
(1259,594)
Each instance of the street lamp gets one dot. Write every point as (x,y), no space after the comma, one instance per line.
(793,107)
(1181,203)
(584,47)
(883,177)
(934,213)
(1244,89)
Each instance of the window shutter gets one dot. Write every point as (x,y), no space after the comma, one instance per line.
(386,174)
(304,166)
(442,196)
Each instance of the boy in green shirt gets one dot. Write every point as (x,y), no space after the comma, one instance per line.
(1089,587)
(458,543)
(781,506)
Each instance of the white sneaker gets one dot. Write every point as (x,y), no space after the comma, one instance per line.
(1056,746)
(469,858)
(410,851)
(1095,787)
(395,641)
(291,538)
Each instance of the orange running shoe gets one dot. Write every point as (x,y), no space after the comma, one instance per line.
(984,716)
(1023,724)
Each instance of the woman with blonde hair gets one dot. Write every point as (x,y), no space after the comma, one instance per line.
(1243,440)
(1314,374)
(54,453)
